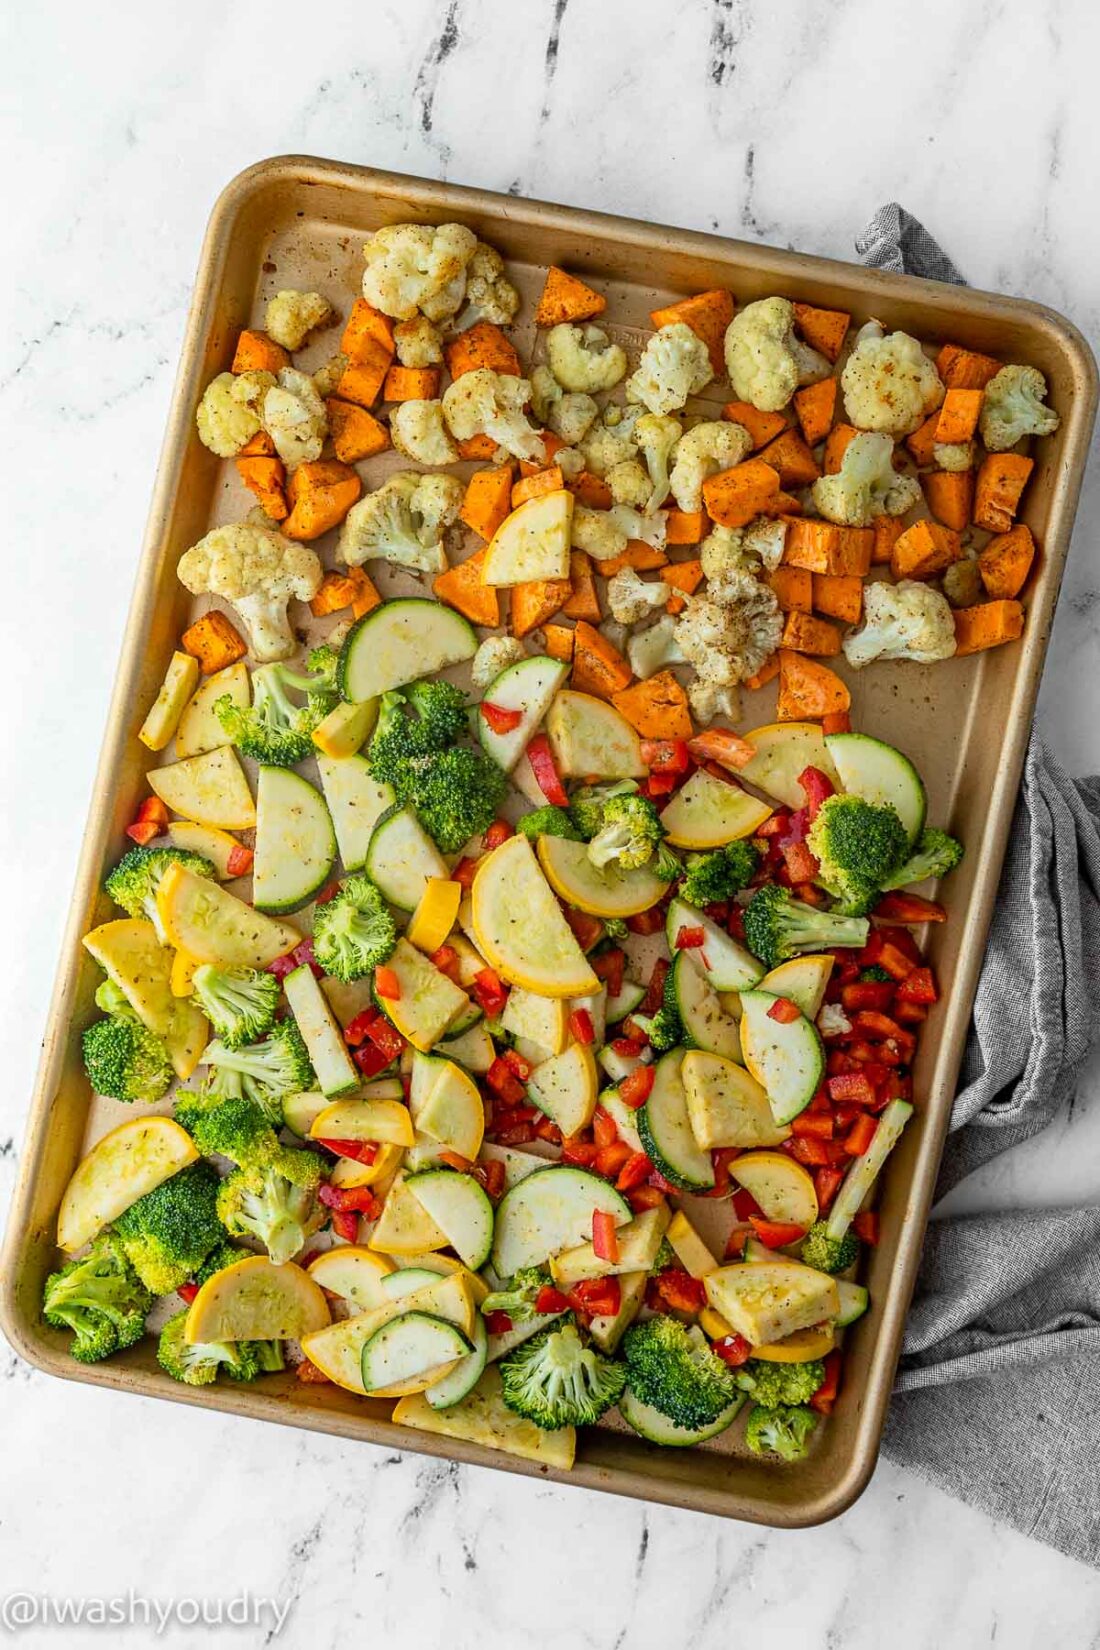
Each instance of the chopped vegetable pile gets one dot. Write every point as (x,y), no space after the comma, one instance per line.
(565,1090)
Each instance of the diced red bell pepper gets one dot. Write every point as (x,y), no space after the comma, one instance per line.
(520,1135)
(851,1088)
(303,953)
(385,1037)
(446,960)
(816,787)
(546,1129)
(860,1135)
(499,831)
(679,1290)
(723,746)
(641,1198)
(370,1060)
(187,1292)
(736,925)
(605,1236)
(239,860)
(735,1243)
(498,718)
(784,1012)
(609,967)
(666,755)
(345,1223)
(490,1177)
(550,1300)
(825,1396)
(634,1172)
(745,1205)
(815,1124)
(910,1014)
(541,758)
(873,1026)
(581,1028)
(361,1151)
(656,1178)
(143,831)
(360,1198)
(580,1152)
(635,1089)
(866,1226)
(517,1065)
(659,785)
(328,892)
(836,721)
(587,930)
(490,991)
(499,1323)
(777,824)
(655,990)
(733,1350)
(800,863)
(598,1297)
(721,1158)
(820,1101)
(909,908)
(604,1130)
(455,1160)
(689,939)
(809,1150)
(152,808)
(776,1234)
(919,988)
(611,1159)
(282,966)
(876,995)
(634,1041)
(647,922)
(896,963)
(464,873)
(504,1083)
(827,1182)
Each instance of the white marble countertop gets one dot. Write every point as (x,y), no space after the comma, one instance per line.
(786,123)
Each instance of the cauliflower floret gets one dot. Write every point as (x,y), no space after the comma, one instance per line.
(702,452)
(657,436)
(612,440)
(413,266)
(294,417)
(597,533)
(766,538)
(962,583)
(403,522)
(484,402)
(723,551)
(584,358)
(229,413)
(866,485)
(832,1021)
(569,414)
(291,316)
(487,290)
(956,455)
(728,632)
(650,529)
(545,392)
(909,620)
(765,361)
(258,571)
(654,649)
(631,598)
(495,654)
(570,461)
(629,483)
(708,700)
(418,432)
(327,377)
(889,383)
(1013,407)
(418,343)
(675,364)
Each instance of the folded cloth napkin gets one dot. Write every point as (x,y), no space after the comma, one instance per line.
(996,1394)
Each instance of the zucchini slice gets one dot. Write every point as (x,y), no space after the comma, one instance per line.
(356,802)
(295,841)
(564,1088)
(400,642)
(802,980)
(731,967)
(401,858)
(452,1388)
(460,1208)
(658,1429)
(666,1133)
(328,1052)
(854,1301)
(549,1211)
(785,1057)
(528,686)
(705,1025)
(878,773)
(602,891)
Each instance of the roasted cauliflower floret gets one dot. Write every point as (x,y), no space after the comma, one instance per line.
(487,290)
(484,402)
(654,649)
(909,620)
(657,437)
(570,414)
(570,461)
(291,316)
(702,452)
(597,533)
(765,361)
(889,383)
(418,431)
(674,365)
(962,583)
(1013,407)
(723,551)
(765,537)
(650,529)
(956,455)
(229,413)
(629,483)
(612,440)
(418,343)
(403,522)
(495,654)
(294,417)
(327,377)
(630,598)
(866,485)
(708,700)
(416,266)
(583,358)
(258,572)
(731,629)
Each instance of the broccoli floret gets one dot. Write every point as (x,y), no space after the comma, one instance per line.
(353,932)
(875,975)
(548,821)
(277,1204)
(100,1298)
(778,927)
(556,1381)
(587,804)
(666,1257)
(438,720)
(784,1431)
(198,1363)
(629,834)
(856,844)
(240,1003)
(125,1061)
(275,729)
(518,1295)
(615,928)
(135,879)
(456,795)
(665,1029)
(673,1368)
(168,1233)
(935,854)
(771,1385)
(828,1254)
(223,1255)
(265,1072)
(715,877)
(665,864)
(236,1127)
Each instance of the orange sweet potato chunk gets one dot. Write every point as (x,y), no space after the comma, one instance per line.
(793,587)
(792,459)
(362,379)
(815,409)
(1001,480)
(823,329)
(656,708)
(734,496)
(411,384)
(488,499)
(558,641)
(840,595)
(214,641)
(808,690)
(548,480)
(266,478)
(320,495)
(356,433)
(950,495)
(708,315)
(565,298)
(958,416)
(366,328)
(762,426)
(1006,560)
(482,345)
(836,445)
(642,557)
(965,369)
(685,526)
(923,550)
(256,352)
(987,625)
(339,590)
(804,633)
(536,601)
(887,531)
(584,601)
(598,667)
(461,587)
(591,491)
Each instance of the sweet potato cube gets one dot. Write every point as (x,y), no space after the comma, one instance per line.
(482,345)
(598,667)
(656,708)
(815,409)
(823,329)
(822,547)
(958,417)
(922,442)
(1001,480)
(762,426)
(361,380)
(1006,560)
(461,587)
(320,495)
(356,433)
(366,328)
(733,497)
(804,633)
(591,491)
(642,557)
(256,352)
(583,602)
(768,671)
(923,550)
(565,298)
(265,477)
(965,369)
(793,587)
(411,383)
(214,641)
(685,578)
(558,641)
(536,601)
(840,595)
(950,495)
(808,690)
(548,480)
(887,531)
(987,625)
(339,590)
(488,499)
(708,315)
(685,526)
(836,445)
(477,447)
(792,459)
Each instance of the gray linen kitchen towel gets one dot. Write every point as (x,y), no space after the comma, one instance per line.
(997,1398)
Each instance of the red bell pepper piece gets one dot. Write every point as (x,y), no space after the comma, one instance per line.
(836,721)
(611,1159)
(851,1087)
(345,1223)
(490,991)
(517,1065)
(634,1172)
(909,1014)
(499,831)
(655,990)
(446,960)
(776,1234)
(745,1205)
(816,787)
(521,1135)
(541,758)
(896,963)
(143,831)
(362,1151)
(659,785)
(504,1083)
(776,824)
(876,995)
(633,1042)
(303,953)
(239,860)
(587,929)
(860,1135)
(800,863)
(152,808)
(498,718)
(732,1349)
(656,1178)
(465,872)
(666,755)
(735,1243)
(343,1198)
(370,1060)
(455,1160)
(310,1375)
(918,988)
(641,1198)
(689,939)
(679,1290)
(581,1028)
(784,1012)
(498,1323)
(647,922)
(809,1150)
(827,1182)
(550,1299)
(825,1396)
(187,1292)
(866,1226)
(546,1129)
(721,1158)
(909,908)
(490,1177)
(385,1037)
(604,1131)
(813,1124)
(598,1297)
(605,1237)
(635,1089)
(580,1152)
(722,746)
(609,966)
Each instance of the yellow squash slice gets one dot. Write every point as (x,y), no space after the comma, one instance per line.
(520,928)
(603,891)
(210,789)
(708,813)
(532,542)
(213,925)
(255,1300)
(121,1167)
(482,1417)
